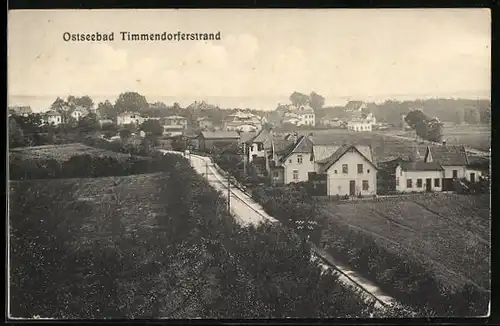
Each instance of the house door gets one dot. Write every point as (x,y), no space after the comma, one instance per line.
(428,184)
(472,177)
(352,188)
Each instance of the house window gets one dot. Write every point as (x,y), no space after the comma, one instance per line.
(336,171)
(367,170)
(436,183)
(295,175)
(365,185)
(345,168)
(276,174)
(455,174)
(299,159)
(397,181)
(290,161)
(419,183)
(408,183)
(360,168)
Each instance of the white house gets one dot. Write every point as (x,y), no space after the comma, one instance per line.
(175,122)
(349,172)
(453,159)
(54,118)
(126,118)
(306,114)
(302,115)
(21,110)
(294,163)
(78,113)
(419,176)
(242,121)
(359,125)
(257,145)
(247,128)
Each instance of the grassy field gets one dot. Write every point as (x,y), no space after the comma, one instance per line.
(451,232)
(61,152)
(100,218)
(478,137)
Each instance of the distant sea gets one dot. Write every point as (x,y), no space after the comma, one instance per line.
(41,103)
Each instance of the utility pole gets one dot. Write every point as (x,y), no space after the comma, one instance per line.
(244,159)
(206,169)
(228,194)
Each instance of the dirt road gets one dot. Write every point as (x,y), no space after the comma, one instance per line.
(247,211)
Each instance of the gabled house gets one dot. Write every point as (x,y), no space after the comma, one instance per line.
(208,140)
(349,171)
(293,163)
(419,176)
(453,159)
(204,123)
(79,112)
(20,110)
(126,118)
(54,118)
(175,122)
(258,144)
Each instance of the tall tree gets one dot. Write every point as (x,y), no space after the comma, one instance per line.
(16,135)
(317,101)
(298,98)
(84,101)
(106,110)
(435,130)
(131,101)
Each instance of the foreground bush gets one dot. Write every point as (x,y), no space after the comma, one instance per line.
(195,261)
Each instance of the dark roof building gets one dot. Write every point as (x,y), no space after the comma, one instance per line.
(421,166)
(447,155)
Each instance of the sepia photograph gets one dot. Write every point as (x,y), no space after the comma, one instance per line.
(248,163)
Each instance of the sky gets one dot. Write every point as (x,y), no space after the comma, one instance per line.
(261,58)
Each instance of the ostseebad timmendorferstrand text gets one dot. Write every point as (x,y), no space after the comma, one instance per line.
(133,37)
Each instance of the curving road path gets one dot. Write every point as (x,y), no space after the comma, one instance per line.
(247,211)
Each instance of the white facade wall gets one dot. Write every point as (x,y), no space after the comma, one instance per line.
(54,119)
(402,176)
(307,119)
(254,150)
(339,183)
(357,126)
(303,169)
(129,119)
(76,115)
(477,174)
(448,171)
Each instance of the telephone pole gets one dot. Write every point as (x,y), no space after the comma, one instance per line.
(206,169)
(228,195)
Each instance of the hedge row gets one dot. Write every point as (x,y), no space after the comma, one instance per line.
(85,166)
(400,275)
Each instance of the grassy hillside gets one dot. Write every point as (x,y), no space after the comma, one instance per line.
(157,245)
(449,232)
